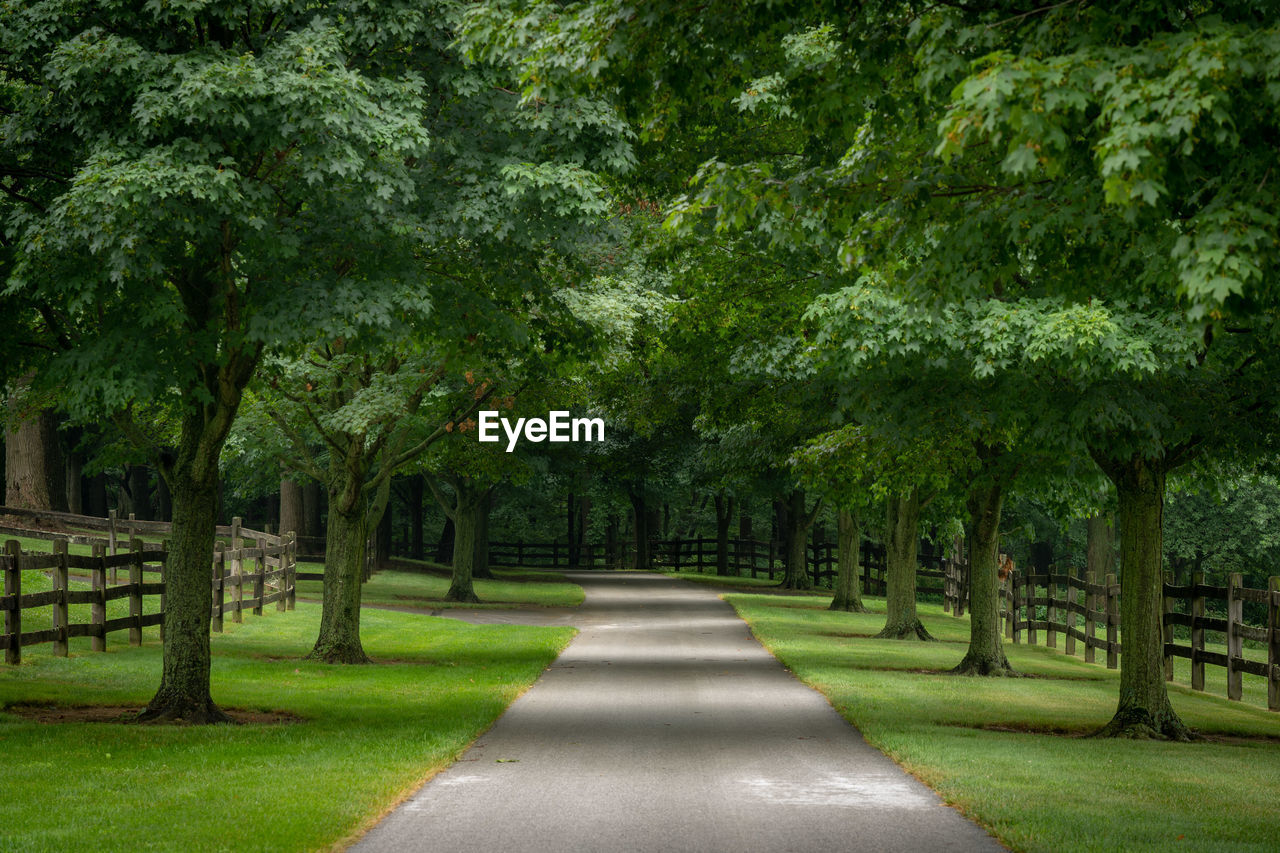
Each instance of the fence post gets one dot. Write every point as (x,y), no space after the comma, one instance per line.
(1090,621)
(259,582)
(1113,622)
(1273,644)
(1197,631)
(520,553)
(13,587)
(60,585)
(1167,626)
(1069,614)
(1006,614)
(1235,616)
(555,555)
(219,585)
(237,593)
(135,591)
(1015,604)
(1031,609)
(111,540)
(291,577)
(675,555)
(946,586)
(98,609)
(1051,610)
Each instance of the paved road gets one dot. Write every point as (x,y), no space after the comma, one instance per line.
(665,726)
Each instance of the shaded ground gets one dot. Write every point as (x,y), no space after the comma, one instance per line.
(663,727)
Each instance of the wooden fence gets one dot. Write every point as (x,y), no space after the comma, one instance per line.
(244,577)
(936,575)
(1053,604)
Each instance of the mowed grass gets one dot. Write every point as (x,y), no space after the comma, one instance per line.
(367,735)
(1010,752)
(427,588)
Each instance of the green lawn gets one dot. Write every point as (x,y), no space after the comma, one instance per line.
(1036,791)
(426,589)
(368,735)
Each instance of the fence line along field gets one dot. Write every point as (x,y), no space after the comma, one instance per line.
(251,569)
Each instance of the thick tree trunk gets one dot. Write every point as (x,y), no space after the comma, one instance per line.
(642,560)
(34,476)
(291,507)
(902,536)
(480,553)
(848,591)
(164,501)
(75,483)
(798,523)
(986,645)
(464,548)
(184,684)
(1144,710)
(724,514)
(346,537)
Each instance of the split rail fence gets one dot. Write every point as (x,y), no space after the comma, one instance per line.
(251,569)
(936,575)
(1087,616)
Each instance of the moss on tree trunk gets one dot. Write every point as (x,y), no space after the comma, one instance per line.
(902,525)
(346,537)
(986,644)
(464,549)
(184,684)
(848,591)
(1144,710)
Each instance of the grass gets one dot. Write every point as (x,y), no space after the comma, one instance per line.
(984,744)
(426,589)
(367,736)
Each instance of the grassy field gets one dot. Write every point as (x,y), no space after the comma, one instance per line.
(426,589)
(364,738)
(1010,752)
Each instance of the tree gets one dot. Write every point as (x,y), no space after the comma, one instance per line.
(198,184)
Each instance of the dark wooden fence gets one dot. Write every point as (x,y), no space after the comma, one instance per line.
(251,569)
(1087,616)
(935,576)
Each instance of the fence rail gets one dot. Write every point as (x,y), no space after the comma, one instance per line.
(1056,603)
(255,575)
(936,575)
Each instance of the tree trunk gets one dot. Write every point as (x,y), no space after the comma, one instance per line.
(1144,710)
(797,533)
(416,548)
(382,538)
(724,514)
(480,556)
(464,546)
(184,684)
(641,512)
(986,645)
(444,545)
(164,500)
(848,591)
(34,476)
(1100,550)
(139,477)
(291,507)
(346,537)
(312,510)
(902,536)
